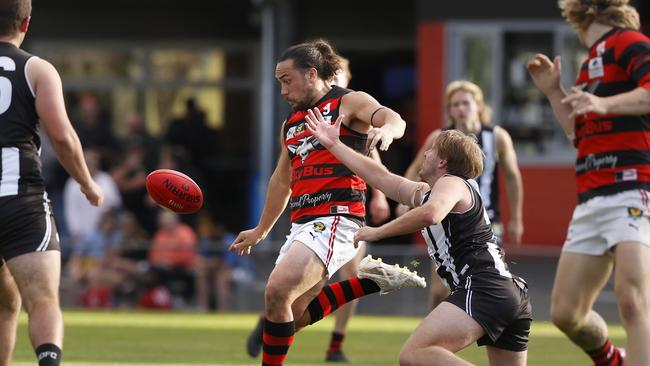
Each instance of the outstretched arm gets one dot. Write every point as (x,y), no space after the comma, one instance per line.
(395,187)
(277,196)
(378,205)
(448,193)
(546,76)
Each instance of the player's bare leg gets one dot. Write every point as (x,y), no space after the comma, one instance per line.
(632,287)
(37,276)
(297,272)
(438,290)
(445,331)
(9,311)
(578,281)
(503,357)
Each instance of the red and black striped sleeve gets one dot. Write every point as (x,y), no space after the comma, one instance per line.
(632,53)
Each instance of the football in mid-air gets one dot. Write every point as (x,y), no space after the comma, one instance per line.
(174,190)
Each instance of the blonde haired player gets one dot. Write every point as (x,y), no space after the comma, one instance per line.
(469,114)
(606,115)
(488,304)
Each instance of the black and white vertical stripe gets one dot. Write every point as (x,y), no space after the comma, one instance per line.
(488,177)
(10,171)
(463,242)
(48,225)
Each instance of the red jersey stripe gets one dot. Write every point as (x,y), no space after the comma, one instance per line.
(615,142)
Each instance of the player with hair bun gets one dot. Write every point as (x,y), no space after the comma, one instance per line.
(325,198)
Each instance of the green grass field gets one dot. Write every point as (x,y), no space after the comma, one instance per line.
(129,338)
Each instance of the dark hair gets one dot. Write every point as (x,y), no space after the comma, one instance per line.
(12,14)
(317,54)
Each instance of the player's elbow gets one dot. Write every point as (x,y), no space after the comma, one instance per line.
(62,141)
(400,127)
(428,218)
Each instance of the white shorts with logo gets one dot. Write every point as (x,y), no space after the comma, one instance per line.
(602,222)
(330,237)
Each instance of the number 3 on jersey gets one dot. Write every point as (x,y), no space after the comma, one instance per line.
(6,64)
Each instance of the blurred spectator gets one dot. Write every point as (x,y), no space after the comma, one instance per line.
(81,217)
(137,135)
(130,176)
(214,264)
(193,134)
(86,267)
(172,255)
(94,126)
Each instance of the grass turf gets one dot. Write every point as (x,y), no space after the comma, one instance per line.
(139,338)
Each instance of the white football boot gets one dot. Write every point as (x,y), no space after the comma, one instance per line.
(389,277)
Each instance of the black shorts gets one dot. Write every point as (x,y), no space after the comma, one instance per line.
(27,225)
(500,305)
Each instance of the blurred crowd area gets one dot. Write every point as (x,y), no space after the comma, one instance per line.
(131,252)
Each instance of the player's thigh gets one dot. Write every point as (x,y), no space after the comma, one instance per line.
(578,280)
(37,275)
(504,357)
(9,295)
(351,268)
(633,269)
(299,270)
(446,326)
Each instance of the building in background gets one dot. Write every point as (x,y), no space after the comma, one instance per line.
(148,57)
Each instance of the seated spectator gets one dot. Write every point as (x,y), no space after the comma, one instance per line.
(172,255)
(86,269)
(214,264)
(81,217)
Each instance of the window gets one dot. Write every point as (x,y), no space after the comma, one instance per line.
(494,56)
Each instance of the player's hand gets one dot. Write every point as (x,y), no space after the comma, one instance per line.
(326,132)
(93,193)
(366,234)
(401,209)
(545,74)
(377,135)
(379,209)
(515,231)
(245,241)
(582,102)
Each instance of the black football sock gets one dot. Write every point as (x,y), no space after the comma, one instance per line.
(277,340)
(48,354)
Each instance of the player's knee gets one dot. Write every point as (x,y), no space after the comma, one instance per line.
(406,357)
(632,303)
(275,295)
(564,316)
(10,304)
(35,302)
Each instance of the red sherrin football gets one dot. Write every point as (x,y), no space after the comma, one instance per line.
(174,190)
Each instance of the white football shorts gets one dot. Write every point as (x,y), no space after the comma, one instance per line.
(602,222)
(330,237)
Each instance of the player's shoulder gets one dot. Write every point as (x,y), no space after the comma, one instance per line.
(630,35)
(356,97)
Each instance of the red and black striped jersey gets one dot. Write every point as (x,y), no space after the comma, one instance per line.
(320,184)
(613,150)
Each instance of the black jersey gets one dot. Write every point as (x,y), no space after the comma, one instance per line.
(488,181)
(19,140)
(463,243)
